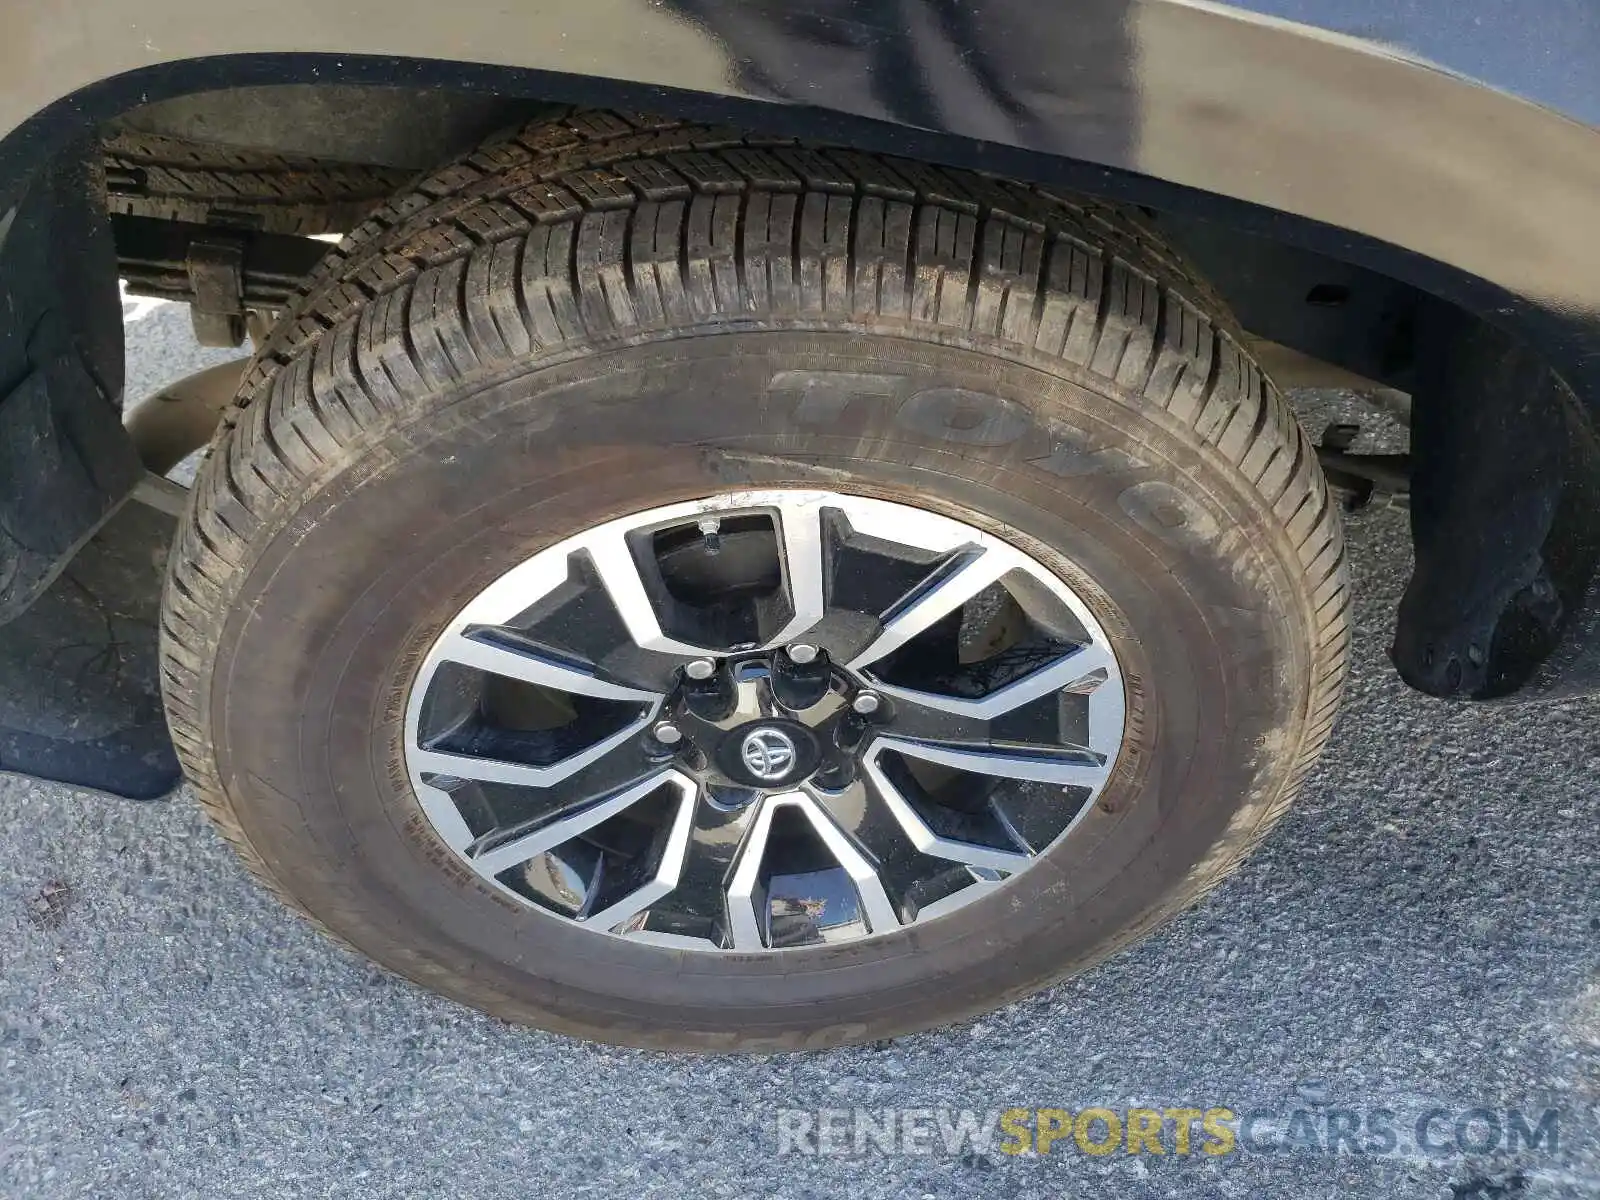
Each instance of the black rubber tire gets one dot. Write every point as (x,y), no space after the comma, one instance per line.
(179,180)
(602,314)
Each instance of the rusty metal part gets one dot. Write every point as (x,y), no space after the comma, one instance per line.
(215,266)
(177,260)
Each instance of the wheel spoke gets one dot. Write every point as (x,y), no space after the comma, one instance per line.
(951,587)
(668,871)
(743,920)
(1107,712)
(603,775)
(528,667)
(694,913)
(925,839)
(1077,666)
(801,534)
(746,918)
(516,591)
(510,854)
(475,650)
(914,881)
(515,774)
(445,815)
(614,563)
(918,720)
(1038,766)
(1032,766)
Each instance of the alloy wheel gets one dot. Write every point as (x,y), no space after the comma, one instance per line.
(764,720)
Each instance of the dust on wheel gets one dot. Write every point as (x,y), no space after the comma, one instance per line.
(780,598)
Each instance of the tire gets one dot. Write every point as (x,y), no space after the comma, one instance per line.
(603,314)
(178,180)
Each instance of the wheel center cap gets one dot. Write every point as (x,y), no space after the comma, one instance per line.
(768,754)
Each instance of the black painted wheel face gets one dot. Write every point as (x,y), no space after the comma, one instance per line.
(764,720)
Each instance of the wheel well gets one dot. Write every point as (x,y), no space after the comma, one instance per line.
(1340,319)
(1347,324)
(408,128)
(1325,320)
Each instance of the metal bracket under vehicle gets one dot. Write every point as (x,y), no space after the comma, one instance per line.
(223,274)
(1363,480)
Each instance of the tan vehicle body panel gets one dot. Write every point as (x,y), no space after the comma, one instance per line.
(1276,115)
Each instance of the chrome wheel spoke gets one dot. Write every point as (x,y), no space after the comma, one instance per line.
(441,759)
(987,834)
(574,864)
(1033,765)
(930,842)
(481,769)
(618,570)
(668,870)
(524,806)
(696,909)
(914,881)
(578,820)
(1076,667)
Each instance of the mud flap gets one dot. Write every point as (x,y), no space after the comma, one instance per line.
(1504,520)
(80,695)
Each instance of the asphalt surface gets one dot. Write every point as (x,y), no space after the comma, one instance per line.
(1422,931)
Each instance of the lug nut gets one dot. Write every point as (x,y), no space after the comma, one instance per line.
(867,703)
(800,677)
(849,731)
(709,690)
(667,733)
(835,776)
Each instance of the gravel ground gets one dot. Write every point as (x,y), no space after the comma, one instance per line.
(1421,931)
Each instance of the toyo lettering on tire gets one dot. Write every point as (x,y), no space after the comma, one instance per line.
(697,591)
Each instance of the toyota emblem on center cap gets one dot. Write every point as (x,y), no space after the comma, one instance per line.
(768,753)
